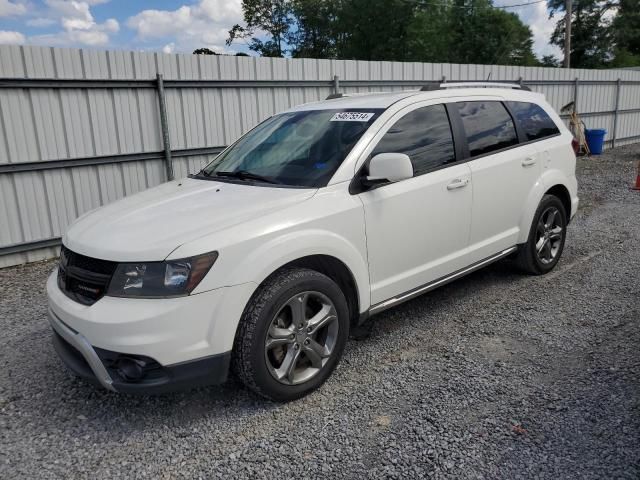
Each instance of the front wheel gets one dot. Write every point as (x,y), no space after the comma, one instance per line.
(546,237)
(292,334)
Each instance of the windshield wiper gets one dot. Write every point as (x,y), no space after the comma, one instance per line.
(244,175)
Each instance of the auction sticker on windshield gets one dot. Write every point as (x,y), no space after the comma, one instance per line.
(352,117)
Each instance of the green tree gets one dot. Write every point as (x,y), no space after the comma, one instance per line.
(626,32)
(273,17)
(316,30)
(373,29)
(461,31)
(550,61)
(430,35)
(592,38)
(204,51)
(470,31)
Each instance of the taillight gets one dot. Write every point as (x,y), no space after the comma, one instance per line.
(576,146)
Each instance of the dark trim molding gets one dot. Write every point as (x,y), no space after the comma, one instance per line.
(403,297)
(152,83)
(104,159)
(29,246)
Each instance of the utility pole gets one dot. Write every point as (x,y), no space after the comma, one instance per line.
(567,34)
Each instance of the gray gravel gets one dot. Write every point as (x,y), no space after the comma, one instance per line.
(497,375)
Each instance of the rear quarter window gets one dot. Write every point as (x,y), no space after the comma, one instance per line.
(533,120)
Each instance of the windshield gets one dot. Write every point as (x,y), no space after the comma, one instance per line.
(298,149)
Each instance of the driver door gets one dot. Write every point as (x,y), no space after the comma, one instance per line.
(418,229)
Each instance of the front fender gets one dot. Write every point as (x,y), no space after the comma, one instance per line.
(331,224)
(268,257)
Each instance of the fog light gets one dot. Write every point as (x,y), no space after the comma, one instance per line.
(130,369)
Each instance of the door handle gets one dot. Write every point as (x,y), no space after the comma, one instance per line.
(527,162)
(458,183)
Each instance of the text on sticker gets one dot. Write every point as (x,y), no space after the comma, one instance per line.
(351,117)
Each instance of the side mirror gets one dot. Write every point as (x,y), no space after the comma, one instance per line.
(389,167)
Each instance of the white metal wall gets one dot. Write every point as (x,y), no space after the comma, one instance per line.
(58,124)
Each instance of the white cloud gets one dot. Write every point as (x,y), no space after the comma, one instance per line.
(96,36)
(169,48)
(40,22)
(111,25)
(11,38)
(74,15)
(222,10)
(205,24)
(10,9)
(79,26)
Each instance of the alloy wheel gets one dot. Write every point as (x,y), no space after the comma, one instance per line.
(550,232)
(301,337)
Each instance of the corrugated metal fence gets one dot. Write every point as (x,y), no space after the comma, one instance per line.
(81,128)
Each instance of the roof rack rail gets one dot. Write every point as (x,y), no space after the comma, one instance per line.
(477,84)
(431,86)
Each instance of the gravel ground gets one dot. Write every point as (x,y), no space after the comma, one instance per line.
(497,375)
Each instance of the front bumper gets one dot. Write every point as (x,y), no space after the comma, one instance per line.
(185,341)
(98,366)
(84,360)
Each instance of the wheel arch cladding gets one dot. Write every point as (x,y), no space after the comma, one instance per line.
(562,193)
(337,271)
(535,197)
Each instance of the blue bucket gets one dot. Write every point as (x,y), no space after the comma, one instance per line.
(595,139)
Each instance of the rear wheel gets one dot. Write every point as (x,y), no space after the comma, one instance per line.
(292,334)
(546,239)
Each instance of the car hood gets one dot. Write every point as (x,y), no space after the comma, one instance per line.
(149,225)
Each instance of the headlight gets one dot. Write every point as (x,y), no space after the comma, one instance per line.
(160,279)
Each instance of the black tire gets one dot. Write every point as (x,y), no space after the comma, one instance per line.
(527,258)
(250,357)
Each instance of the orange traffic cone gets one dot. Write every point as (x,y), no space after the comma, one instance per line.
(637,185)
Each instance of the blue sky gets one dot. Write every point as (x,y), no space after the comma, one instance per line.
(162,25)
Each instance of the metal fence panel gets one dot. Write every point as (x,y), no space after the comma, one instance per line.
(69,148)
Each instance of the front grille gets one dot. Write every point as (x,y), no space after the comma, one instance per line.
(84,279)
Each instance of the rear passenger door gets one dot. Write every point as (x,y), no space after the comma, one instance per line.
(503,173)
(536,126)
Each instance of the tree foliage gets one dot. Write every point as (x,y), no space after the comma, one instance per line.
(316,29)
(204,51)
(592,39)
(273,17)
(374,29)
(457,31)
(626,32)
(470,32)
(604,33)
(550,61)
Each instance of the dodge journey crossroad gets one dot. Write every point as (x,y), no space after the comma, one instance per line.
(313,221)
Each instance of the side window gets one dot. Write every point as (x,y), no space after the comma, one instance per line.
(533,120)
(425,135)
(488,126)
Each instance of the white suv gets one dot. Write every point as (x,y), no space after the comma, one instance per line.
(314,220)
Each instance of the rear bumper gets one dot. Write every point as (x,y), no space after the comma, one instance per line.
(100,366)
(575,202)
(573,193)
